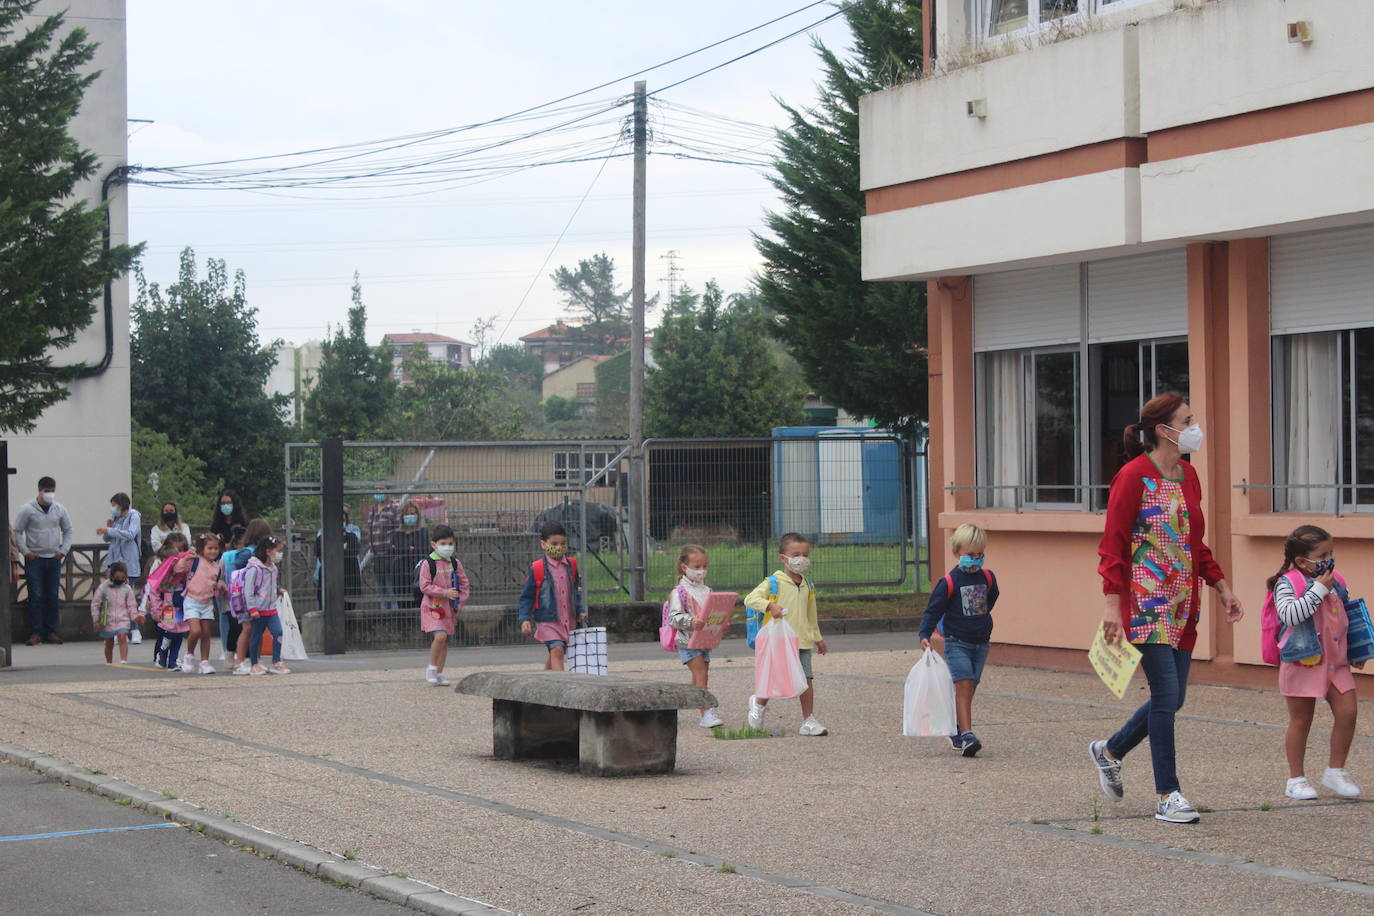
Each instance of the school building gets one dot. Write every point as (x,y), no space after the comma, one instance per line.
(1110,199)
(83,441)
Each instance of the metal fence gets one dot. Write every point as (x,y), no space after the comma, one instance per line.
(494,495)
(861,497)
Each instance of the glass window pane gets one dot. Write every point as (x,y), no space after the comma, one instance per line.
(1360,390)
(1004,443)
(1009,15)
(1053,9)
(1119,383)
(1308,413)
(1056,427)
(1171,368)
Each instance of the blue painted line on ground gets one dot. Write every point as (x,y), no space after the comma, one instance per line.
(50,836)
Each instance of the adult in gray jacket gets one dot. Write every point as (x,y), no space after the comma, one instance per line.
(123,534)
(44,532)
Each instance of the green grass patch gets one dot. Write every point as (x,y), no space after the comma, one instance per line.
(124,802)
(1097,830)
(736,734)
(350,854)
(838,569)
(727,869)
(1266,807)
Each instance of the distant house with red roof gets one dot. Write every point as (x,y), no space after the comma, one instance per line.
(456,354)
(559,344)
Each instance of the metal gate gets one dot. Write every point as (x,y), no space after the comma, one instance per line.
(494,495)
(861,497)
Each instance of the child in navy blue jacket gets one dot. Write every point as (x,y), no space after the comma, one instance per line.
(551,602)
(961,607)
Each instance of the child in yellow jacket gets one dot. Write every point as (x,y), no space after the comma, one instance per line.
(795,598)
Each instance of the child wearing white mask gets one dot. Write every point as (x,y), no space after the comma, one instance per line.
(796,598)
(444,589)
(686,614)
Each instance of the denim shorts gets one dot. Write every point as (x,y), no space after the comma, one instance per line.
(686,655)
(805,655)
(191,609)
(555,644)
(965,659)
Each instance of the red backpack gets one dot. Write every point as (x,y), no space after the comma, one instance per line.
(1269,617)
(538,570)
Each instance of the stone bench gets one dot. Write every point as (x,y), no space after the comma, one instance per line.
(612,726)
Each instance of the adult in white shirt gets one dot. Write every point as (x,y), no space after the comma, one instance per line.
(169,522)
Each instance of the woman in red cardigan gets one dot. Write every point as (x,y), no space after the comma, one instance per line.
(1152,558)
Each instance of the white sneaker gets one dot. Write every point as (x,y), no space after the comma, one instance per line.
(1176,810)
(812,729)
(135,637)
(1338,781)
(242,668)
(711,720)
(756,711)
(278,668)
(188,665)
(223,657)
(440,680)
(432,676)
(257,670)
(1298,787)
(123,661)
(206,667)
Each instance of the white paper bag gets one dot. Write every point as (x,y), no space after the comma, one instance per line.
(292,646)
(587,650)
(929,708)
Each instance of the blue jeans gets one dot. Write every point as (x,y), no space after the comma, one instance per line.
(272,623)
(44,578)
(1166,670)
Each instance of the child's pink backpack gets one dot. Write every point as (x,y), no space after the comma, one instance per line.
(1269,617)
(667,635)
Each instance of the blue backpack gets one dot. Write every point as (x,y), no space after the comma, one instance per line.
(753,620)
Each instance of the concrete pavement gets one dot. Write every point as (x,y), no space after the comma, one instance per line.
(364,757)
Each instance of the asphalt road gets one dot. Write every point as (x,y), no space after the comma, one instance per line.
(133,863)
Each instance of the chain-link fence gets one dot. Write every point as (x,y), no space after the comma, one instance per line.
(494,495)
(860,497)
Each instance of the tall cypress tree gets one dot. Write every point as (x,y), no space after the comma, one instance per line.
(53,267)
(354,395)
(861,345)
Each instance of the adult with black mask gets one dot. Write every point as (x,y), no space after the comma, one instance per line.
(229,512)
(169,521)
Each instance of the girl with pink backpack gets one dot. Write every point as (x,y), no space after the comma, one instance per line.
(1306,624)
(683,615)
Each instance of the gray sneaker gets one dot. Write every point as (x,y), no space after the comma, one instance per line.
(1108,770)
(1176,810)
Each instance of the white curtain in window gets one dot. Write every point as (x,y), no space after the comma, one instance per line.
(1005,427)
(1313,426)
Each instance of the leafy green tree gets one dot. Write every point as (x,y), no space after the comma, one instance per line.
(613,393)
(558,409)
(354,394)
(715,375)
(524,370)
(591,296)
(200,377)
(444,404)
(861,345)
(164,473)
(53,266)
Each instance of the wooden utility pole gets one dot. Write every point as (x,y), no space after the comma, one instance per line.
(638,490)
(6,585)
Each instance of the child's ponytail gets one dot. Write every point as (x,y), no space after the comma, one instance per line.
(1302,541)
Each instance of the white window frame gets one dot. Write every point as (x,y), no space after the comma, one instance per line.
(569,470)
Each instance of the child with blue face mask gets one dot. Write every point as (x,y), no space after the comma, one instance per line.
(961,606)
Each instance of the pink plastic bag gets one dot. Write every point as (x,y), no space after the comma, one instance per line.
(778,671)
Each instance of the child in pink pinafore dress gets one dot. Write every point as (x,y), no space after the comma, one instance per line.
(443,591)
(1318,605)
(114,611)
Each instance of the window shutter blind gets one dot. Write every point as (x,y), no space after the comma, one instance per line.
(1322,281)
(1026,308)
(1138,298)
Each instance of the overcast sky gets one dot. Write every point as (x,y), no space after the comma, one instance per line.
(253,77)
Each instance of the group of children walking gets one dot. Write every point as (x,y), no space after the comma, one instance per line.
(187,589)
(1307,591)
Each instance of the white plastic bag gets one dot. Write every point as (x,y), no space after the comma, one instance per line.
(135,631)
(292,646)
(778,671)
(587,650)
(929,708)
